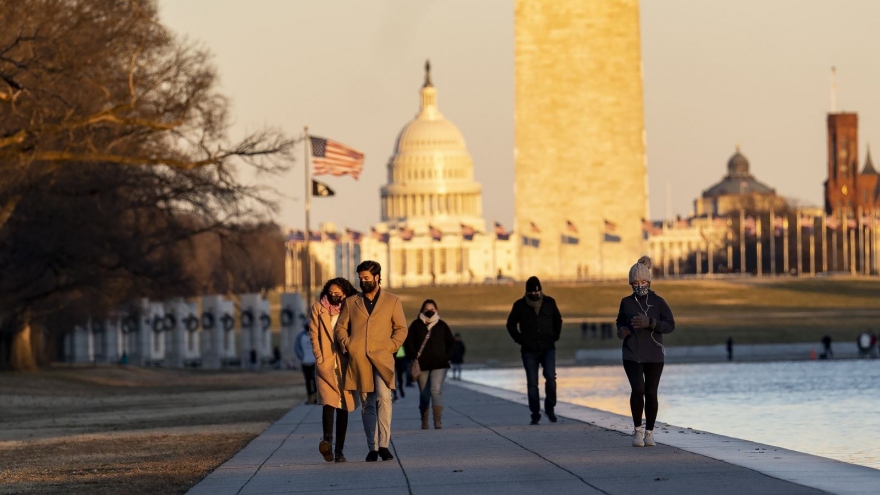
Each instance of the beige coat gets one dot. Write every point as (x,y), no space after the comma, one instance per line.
(370,339)
(331,365)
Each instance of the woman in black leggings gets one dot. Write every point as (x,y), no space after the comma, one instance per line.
(642,320)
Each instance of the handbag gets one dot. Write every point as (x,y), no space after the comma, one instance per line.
(414,369)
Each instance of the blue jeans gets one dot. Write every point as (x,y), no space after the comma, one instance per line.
(431,388)
(547,360)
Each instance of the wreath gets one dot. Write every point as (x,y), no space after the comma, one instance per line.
(208,320)
(286,317)
(228,321)
(247,318)
(265,321)
(157,324)
(169,322)
(191,322)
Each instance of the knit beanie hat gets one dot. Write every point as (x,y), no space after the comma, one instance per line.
(533,284)
(641,270)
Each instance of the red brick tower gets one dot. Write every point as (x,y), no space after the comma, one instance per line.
(841,188)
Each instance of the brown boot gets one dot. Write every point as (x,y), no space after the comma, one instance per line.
(438,417)
(425,419)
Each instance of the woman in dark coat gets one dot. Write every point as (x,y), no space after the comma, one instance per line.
(643,319)
(433,360)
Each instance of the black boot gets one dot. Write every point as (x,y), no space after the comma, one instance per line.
(385,454)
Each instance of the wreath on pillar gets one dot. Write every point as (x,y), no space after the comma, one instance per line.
(286,317)
(228,322)
(158,324)
(191,323)
(247,318)
(208,321)
(265,321)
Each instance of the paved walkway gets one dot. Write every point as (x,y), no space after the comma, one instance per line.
(486,446)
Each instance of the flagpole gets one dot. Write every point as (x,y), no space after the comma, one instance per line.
(785,244)
(813,246)
(772,244)
(742,241)
(308,255)
(824,243)
(758,250)
(800,254)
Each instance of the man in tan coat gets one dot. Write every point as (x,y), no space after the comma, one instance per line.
(370,329)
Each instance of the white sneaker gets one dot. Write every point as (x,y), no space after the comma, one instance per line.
(638,438)
(649,439)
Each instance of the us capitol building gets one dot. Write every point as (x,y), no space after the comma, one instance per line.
(432,230)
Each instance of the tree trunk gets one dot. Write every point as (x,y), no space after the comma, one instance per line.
(22,353)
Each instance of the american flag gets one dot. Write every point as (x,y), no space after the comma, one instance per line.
(407,233)
(379,236)
(436,233)
(332,158)
(501,233)
(467,232)
(569,226)
(295,236)
(832,222)
(354,234)
(610,235)
(535,229)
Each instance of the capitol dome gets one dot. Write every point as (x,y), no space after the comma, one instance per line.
(431,173)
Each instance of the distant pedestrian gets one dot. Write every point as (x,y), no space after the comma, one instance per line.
(642,320)
(401,369)
(370,329)
(302,346)
(535,324)
(584,329)
(863,341)
(730,348)
(827,353)
(458,350)
(331,367)
(430,341)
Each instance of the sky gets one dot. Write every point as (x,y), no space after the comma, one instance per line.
(717,74)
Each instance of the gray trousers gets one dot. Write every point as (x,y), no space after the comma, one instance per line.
(376,414)
(431,388)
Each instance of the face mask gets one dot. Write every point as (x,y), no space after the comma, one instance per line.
(368,286)
(428,314)
(533,297)
(640,290)
(335,300)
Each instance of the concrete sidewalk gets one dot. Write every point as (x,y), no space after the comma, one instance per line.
(487,446)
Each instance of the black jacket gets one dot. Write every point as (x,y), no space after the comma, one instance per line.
(644,345)
(535,331)
(458,352)
(438,350)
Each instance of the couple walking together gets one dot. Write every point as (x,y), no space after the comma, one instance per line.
(535,324)
(355,336)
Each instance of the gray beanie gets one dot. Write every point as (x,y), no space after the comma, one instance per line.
(641,270)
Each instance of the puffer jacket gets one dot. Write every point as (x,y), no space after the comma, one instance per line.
(645,345)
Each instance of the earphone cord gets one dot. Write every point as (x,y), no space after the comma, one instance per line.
(644,310)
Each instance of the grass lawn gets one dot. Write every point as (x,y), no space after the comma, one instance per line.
(707,312)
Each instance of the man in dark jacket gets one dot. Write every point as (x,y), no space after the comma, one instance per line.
(535,324)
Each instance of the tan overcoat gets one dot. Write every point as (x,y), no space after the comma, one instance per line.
(370,339)
(331,364)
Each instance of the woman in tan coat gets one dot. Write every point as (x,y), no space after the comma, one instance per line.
(331,366)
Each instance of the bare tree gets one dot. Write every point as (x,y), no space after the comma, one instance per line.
(114,159)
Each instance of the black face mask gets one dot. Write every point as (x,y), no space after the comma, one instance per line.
(533,297)
(428,314)
(335,300)
(368,286)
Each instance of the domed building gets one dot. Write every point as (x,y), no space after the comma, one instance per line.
(432,230)
(738,189)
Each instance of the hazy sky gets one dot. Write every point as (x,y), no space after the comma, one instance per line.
(717,73)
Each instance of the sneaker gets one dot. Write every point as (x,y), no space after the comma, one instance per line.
(649,439)
(326,450)
(373,456)
(638,438)
(536,419)
(385,454)
(551,416)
